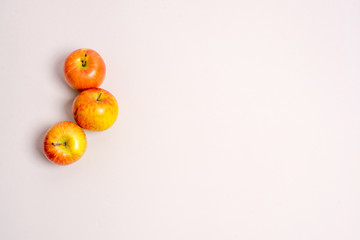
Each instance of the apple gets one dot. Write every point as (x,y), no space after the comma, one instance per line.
(95,109)
(64,143)
(83,69)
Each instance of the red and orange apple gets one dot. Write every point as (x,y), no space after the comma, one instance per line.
(95,109)
(64,143)
(84,69)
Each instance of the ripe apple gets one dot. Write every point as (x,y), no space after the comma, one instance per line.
(95,109)
(64,143)
(83,69)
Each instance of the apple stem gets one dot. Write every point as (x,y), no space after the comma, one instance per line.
(98,98)
(83,62)
(58,144)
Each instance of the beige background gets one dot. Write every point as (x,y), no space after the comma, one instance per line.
(238,120)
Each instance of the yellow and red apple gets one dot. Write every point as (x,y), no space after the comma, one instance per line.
(95,109)
(64,143)
(84,69)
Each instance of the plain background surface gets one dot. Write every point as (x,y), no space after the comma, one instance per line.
(238,120)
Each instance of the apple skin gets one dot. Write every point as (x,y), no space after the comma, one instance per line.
(83,69)
(95,109)
(64,143)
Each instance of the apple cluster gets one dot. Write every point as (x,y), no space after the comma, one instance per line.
(94,108)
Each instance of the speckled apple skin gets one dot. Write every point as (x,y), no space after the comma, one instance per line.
(92,113)
(60,133)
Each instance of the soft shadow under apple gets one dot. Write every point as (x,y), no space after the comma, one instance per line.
(68,110)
